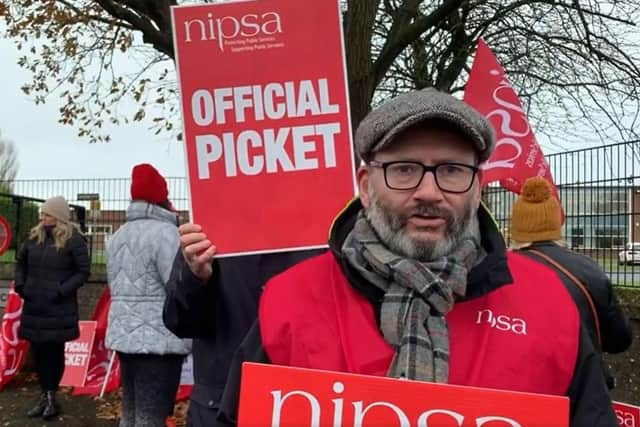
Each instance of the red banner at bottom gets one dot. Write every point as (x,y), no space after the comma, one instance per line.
(277,396)
(627,415)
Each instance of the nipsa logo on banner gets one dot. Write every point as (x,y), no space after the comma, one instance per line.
(319,406)
(230,30)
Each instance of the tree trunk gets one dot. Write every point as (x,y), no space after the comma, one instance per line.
(359,22)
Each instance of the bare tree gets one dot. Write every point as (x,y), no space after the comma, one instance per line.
(8,163)
(575,62)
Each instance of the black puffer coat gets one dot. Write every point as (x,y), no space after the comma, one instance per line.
(47,279)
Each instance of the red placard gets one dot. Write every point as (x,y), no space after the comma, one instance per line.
(97,378)
(77,355)
(627,415)
(266,121)
(5,235)
(278,396)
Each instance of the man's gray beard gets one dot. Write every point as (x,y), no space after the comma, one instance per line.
(390,229)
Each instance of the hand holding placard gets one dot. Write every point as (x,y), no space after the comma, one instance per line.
(198,251)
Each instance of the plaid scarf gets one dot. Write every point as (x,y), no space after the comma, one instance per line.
(417,297)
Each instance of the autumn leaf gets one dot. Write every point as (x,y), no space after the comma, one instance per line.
(139,115)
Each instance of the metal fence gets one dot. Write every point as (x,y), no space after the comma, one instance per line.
(102,217)
(22,213)
(599,189)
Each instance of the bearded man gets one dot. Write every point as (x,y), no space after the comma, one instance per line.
(417,274)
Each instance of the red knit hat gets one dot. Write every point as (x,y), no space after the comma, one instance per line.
(147,184)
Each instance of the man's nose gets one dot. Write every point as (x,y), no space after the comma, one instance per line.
(428,189)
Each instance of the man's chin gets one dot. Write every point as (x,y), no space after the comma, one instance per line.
(424,236)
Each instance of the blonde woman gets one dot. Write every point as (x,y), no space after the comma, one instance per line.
(51,265)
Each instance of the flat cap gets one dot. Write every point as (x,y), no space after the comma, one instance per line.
(378,129)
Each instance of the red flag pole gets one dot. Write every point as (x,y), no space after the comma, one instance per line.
(106,377)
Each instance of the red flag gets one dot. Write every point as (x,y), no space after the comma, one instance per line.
(517,155)
(99,363)
(13,350)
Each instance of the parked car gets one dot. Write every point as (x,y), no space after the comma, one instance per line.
(630,255)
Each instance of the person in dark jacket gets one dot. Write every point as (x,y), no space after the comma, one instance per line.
(215,301)
(536,226)
(50,266)
(419,285)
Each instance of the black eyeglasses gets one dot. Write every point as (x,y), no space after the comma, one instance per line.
(449,177)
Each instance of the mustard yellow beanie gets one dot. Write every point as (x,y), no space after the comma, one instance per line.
(535,215)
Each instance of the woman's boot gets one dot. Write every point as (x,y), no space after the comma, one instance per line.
(38,409)
(51,408)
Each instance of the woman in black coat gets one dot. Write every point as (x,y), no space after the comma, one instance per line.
(50,266)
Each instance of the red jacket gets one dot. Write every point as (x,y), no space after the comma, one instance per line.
(516,328)
(511,338)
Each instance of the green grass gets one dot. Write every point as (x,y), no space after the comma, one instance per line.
(8,256)
(611,266)
(98,257)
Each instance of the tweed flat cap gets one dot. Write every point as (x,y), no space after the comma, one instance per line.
(384,123)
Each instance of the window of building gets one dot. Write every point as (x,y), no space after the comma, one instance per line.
(94,229)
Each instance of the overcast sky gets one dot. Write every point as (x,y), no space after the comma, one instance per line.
(49,150)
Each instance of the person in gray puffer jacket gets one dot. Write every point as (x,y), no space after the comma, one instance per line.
(139,261)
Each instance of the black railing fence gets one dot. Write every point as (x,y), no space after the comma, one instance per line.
(103,200)
(599,189)
(22,213)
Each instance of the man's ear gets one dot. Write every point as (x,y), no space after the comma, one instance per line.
(362,176)
(478,196)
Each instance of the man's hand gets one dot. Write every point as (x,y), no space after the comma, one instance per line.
(197,250)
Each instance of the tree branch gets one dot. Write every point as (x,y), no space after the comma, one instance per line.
(160,40)
(97,18)
(395,45)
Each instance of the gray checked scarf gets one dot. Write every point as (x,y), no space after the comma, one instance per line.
(417,297)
